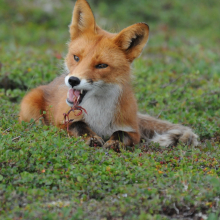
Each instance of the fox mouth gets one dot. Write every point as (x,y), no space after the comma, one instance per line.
(75,97)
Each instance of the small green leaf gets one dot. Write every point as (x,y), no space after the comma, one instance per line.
(80,179)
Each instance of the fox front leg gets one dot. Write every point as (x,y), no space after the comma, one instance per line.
(80,128)
(123,139)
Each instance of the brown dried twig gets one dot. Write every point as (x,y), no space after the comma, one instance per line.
(67,120)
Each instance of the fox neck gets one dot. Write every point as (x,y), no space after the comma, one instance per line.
(102,109)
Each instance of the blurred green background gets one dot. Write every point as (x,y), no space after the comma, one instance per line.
(196,21)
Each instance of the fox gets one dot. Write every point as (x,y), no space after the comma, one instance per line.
(98,78)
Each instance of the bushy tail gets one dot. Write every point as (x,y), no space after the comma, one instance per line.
(164,132)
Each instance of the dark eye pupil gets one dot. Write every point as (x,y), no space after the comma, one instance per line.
(76,58)
(101,66)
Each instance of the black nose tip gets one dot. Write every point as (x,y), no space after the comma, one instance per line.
(74,81)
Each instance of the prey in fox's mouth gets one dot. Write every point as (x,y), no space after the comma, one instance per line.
(75,97)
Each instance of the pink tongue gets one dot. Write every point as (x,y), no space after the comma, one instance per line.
(73,95)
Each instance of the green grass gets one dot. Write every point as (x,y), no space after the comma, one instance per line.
(44,174)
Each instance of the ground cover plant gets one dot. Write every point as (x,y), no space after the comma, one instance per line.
(44,174)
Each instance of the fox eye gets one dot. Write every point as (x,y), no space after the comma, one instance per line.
(101,66)
(76,58)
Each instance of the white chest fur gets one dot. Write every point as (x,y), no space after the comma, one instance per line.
(101,108)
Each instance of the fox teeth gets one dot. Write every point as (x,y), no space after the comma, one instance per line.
(81,91)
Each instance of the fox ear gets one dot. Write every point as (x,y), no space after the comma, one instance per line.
(82,20)
(133,39)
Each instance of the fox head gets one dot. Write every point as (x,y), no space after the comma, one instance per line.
(96,57)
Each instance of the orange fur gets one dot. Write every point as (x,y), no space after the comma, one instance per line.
(111,97)
(32,105)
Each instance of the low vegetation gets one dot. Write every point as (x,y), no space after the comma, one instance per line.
(44,174)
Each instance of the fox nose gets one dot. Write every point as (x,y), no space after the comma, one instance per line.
(74,81)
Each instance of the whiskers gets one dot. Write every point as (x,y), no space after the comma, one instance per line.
(99,86)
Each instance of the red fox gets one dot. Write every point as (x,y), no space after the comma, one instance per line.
(99,80)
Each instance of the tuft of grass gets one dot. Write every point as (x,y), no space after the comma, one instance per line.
(44,174)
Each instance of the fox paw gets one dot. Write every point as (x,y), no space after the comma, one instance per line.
(112,144)
(95,141)
(172,137)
